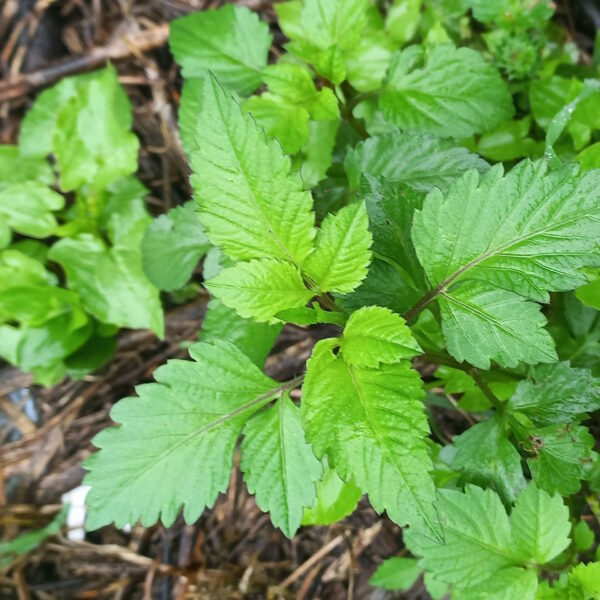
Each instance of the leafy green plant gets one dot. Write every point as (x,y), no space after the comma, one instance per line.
(71,232)
(353,190)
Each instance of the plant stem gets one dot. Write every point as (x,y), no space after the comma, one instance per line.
(483,386)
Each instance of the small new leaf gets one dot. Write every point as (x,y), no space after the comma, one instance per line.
(260,289)
(375,335)
(342,250)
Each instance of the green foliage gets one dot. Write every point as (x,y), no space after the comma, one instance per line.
(405,178)
(448,92)
(56,298)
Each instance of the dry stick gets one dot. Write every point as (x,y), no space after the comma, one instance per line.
(315,558)
(124,47)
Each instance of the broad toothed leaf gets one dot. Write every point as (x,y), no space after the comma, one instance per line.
(454,94)
(250,204)
(279,466)
(535,231)
(371,426)
(342,250)
(174,444)
(559,454)
(485,552)
(231,42)
(556,394)
(481,322)
(259,289)
(477,538)
(419,161)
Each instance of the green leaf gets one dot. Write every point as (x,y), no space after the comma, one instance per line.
(250,204)
(35,304)
(92,355)
(341,257)
(478,538)
(110,282)
(540,525)
(186,423)
(454,94)
(27,208)
(255,340)
(483,549)
(533,237)
(322,31)
(584,582)
(487,458)
(508,141)
(556,394)
(231,42)
(15,168)
(26,542)
(560,455)
(317,154)
(583,536)
(563,118)
(367,62)
(39,124)
(420,161)
(590,157)
(290,81)
(548,98)
(172,246)
(312,315)
(402,20)
(481,322)
(396,573)
(383,286)
(335,500)
(278,465)
(259,289)
(372,427)
(589,294)
(17,270)
(281,119)
(391,208)
(92,144)
(375,335)
(505,584)
(35,347)
(329,23)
